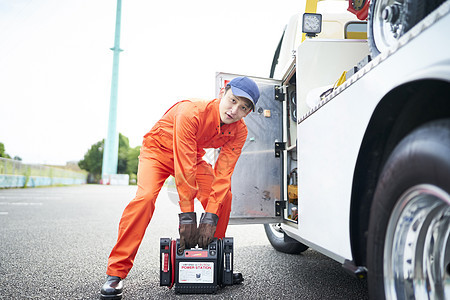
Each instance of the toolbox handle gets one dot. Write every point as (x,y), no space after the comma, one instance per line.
(173,249)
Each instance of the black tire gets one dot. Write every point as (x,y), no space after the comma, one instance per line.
(281,242)
(382,34)
(411,200)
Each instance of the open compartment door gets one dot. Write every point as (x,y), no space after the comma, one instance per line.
(256,183)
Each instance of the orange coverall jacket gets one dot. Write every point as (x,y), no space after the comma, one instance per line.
(184,131)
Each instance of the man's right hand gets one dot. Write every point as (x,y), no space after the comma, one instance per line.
(188,230)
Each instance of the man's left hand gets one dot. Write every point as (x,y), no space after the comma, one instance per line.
(206,229)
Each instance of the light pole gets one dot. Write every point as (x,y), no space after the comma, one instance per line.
(111,147)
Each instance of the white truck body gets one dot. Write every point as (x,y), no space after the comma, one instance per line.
(330,136)
(338,144)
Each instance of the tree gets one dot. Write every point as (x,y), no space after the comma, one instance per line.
(133,160)
(2,151)
(92,161)
(124,146)
(127,159)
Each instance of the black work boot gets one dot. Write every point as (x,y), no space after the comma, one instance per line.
(237,278)
(112,289)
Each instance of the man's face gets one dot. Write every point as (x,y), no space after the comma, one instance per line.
(233,108)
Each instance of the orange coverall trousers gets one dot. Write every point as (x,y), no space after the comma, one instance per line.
(155,165)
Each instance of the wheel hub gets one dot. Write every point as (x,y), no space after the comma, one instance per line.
(391,13)
(388,24)
(417,248)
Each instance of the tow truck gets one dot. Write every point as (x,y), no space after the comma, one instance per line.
(349,145)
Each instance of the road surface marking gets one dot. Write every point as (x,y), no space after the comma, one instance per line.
(21,203)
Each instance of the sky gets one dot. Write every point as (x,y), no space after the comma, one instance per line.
(56,65)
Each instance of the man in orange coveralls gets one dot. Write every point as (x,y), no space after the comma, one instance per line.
(175,146)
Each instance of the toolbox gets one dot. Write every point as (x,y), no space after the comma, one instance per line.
(196,270)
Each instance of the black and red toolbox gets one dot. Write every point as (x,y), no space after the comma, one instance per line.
(196,270)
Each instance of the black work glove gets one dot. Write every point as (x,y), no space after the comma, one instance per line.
(206,229)
(188,230)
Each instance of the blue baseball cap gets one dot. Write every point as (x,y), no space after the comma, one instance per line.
(245,87)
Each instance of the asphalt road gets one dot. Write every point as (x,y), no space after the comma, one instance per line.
(54,244)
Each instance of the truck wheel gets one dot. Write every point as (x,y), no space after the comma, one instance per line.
(408,254)
(389,20)
(281,242)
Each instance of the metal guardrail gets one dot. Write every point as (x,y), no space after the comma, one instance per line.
(14,173)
